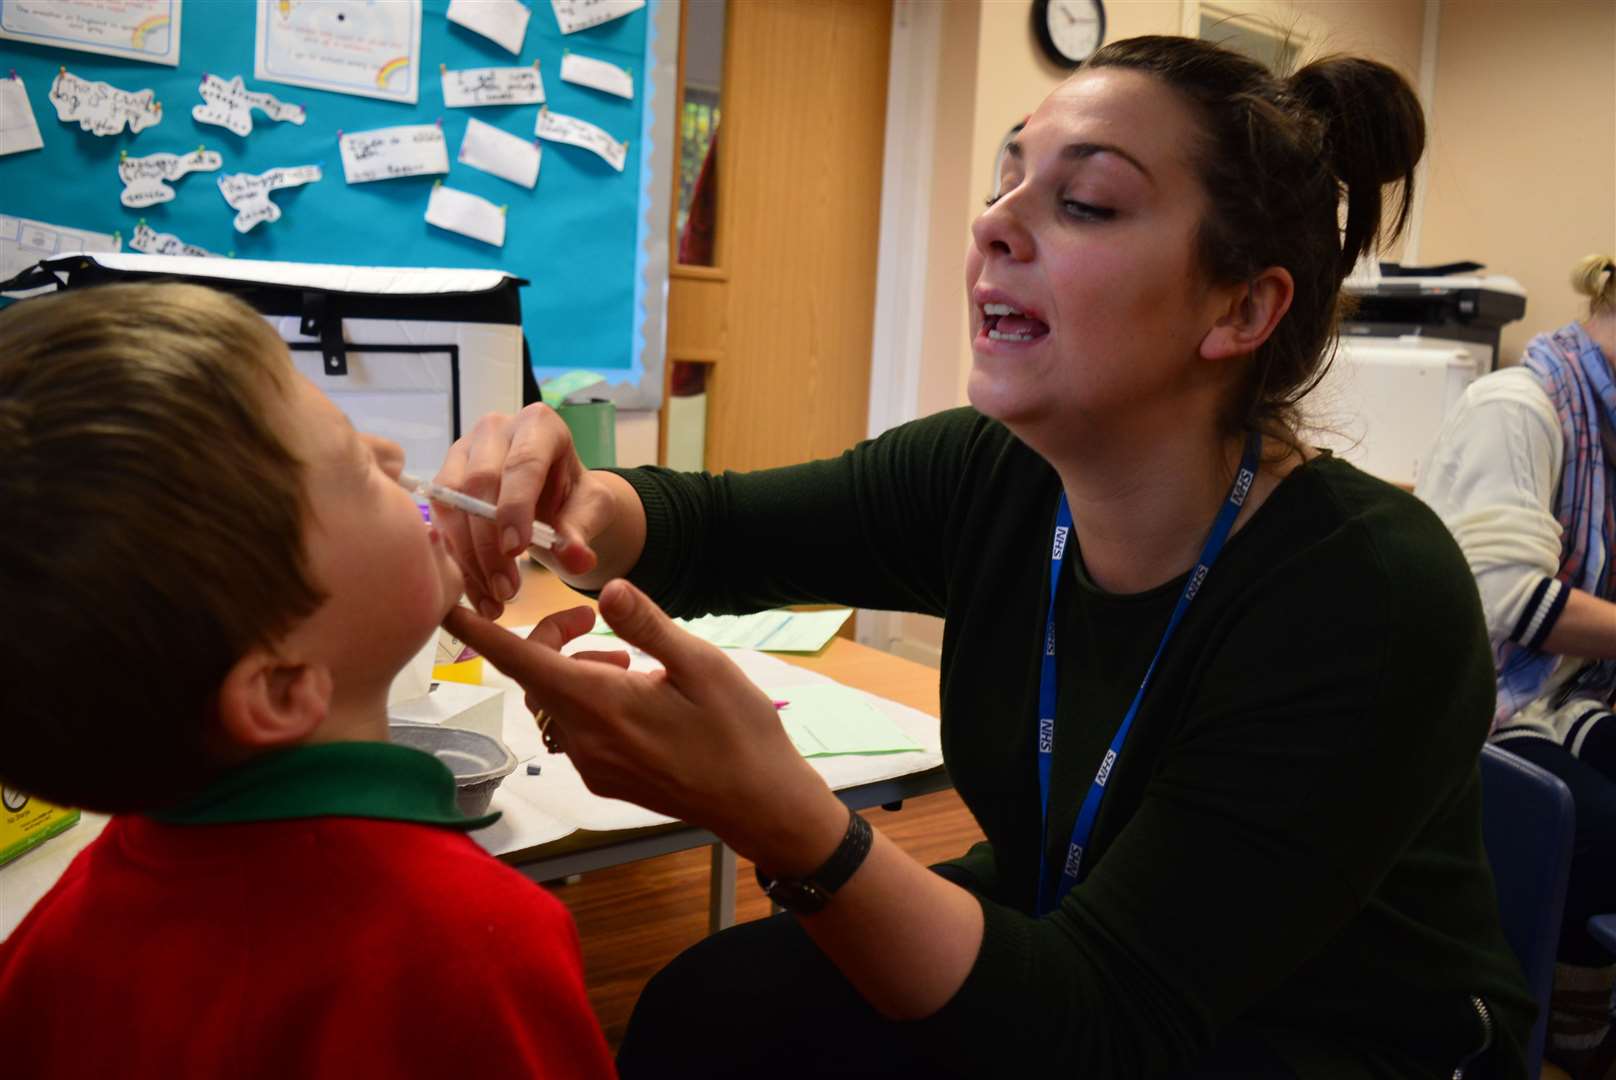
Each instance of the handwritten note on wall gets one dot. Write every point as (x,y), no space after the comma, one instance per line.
(488,148)
(230,105)
(467,214)
(151,242)
(597,75)
(393,153)
(145,178)
(471,87)
(100,107)
(501,21)
(575,15)
(557,127)
(146,30)
(19,130)
(248,194)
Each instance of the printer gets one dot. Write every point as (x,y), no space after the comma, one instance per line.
(1405,354)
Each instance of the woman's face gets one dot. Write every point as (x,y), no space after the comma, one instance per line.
(1087,302)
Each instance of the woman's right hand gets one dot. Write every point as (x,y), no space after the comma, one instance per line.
(527,466)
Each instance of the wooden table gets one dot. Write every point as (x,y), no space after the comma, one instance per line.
(848,662)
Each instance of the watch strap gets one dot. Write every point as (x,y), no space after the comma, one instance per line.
(810,894)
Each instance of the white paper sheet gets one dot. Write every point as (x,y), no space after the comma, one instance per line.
(597,75)
(24,242)
(470,87)
(145,178)
(507,156)
(152,242)
(393,152)
(146,30)
(558,792)
(575,132)
(230,104)
(102,108)
(358,47)
(19,130)
(503,22)
(467,214)
(575,15)
(248,193)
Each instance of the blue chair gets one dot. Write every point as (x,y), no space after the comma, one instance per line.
(1526,824)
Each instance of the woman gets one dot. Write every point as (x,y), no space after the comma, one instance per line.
(1241,842)
(1524,474)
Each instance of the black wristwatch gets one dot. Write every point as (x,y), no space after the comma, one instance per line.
(807,895)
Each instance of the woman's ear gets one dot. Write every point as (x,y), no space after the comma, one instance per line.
(267,701)
(1252,311)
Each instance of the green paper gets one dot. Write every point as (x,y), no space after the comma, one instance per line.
(766,631)
(825,719)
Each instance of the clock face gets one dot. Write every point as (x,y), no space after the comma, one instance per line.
(1074,29)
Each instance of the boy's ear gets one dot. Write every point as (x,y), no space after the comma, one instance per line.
(1252,311)
(267,701)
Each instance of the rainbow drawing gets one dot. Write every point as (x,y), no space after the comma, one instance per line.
(146,29)
(398,63)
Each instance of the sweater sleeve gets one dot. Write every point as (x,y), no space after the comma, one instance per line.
(864,529)
(1316,750)
(1492,479)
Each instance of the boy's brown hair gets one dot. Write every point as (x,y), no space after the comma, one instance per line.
(153,534)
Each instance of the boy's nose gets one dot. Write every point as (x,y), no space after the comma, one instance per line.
(389,455)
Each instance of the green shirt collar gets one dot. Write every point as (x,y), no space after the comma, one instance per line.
(346,779)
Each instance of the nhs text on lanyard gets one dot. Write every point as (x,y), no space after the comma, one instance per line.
(1048,897)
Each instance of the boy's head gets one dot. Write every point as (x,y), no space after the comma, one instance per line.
(201,559)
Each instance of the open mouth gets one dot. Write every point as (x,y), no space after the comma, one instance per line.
(1001,322)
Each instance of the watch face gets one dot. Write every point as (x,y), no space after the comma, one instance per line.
(1074,28)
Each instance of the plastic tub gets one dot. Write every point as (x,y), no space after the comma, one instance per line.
(478,762)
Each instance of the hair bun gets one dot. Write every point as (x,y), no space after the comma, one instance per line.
(1374,134)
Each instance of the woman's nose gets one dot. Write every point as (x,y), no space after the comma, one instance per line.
(999,230)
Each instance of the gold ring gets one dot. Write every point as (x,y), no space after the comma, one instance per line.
(551,743)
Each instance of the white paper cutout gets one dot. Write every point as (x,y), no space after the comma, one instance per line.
(144,177)
(470,87)
(569,129)
(392,153)
(503,22)
(101,107)
(597,75)
(575,15)
(507,156)
(345,46)
(248,194)
(19,130)
(24,242)
(230,105)
(146,30)
(151,242)
(467,214)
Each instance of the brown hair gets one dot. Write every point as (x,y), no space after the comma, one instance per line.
(1594,276)
(1277,158)
(153,534)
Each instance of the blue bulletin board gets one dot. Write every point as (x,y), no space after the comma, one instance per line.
(591,241)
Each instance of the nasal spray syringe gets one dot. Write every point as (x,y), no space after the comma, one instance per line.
(543,535)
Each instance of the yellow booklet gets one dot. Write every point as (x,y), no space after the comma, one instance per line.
(26,822)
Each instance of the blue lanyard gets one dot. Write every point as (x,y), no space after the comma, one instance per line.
(1084,826)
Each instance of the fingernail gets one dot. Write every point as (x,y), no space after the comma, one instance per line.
(511,541)
(489,609)
(503,587)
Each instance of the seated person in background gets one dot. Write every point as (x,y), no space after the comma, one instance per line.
(210,581)
(1524,475)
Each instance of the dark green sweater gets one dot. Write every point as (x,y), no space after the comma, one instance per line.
(1290,845)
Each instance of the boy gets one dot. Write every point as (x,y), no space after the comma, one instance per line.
(210,581)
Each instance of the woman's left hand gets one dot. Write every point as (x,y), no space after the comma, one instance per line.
(697,740)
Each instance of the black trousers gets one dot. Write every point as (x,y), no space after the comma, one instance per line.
(1592,780)
(761,1000)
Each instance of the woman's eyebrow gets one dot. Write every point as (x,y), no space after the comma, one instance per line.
(1087,150)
